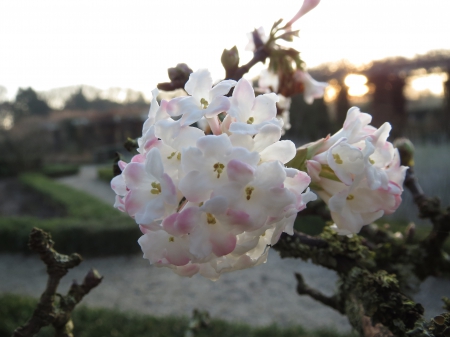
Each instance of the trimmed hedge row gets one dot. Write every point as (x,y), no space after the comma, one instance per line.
(15,311)
(91,227)
(59,170)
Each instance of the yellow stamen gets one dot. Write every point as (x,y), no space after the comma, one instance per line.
(218,167)
(248,191)
(250,120)
(337,159)
(179,156)
(210,219)
(204,103)
(371,161)
(171,239)
(171,155)
(350,197)
(156,188)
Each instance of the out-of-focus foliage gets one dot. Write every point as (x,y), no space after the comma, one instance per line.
(28,103)
(103,322)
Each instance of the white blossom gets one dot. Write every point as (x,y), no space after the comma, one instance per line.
(357,173)
(210,204)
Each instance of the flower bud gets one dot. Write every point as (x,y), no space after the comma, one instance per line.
(406,149)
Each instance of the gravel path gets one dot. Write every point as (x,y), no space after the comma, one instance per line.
(86,180)
(259,296)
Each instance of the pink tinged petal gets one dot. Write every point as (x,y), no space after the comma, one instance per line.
(178,224)
(243,128)
(187,136)
(122,165)
(264,107)
(192,116)
(152,245)
(283,151)
(291,172)
(176,105)
(118,185)
(346,161)
(221,89)
(216,205)
(354,115)
(298,183)
(169,225)
(177,252)
(154,209)
(139,158)
(199,84)
(188,270)
(307,6)
(134,203)
(266,136)
(218,105)
(192,189)
(288,227)
(245,141)
(119,204)
(313,89)
(338,201)
(240,172)
(135,176)
(168,190)
(239,218)
(152,142)
(153,163)
(314,169)
(225,126)
(211,144)
(242,101)
(153,226)
(190,159)
(143,229)
(206,270)
(200,245)
(154,106)
(270,174)
(243,155)
(394,188)
(214,124)
(222,242)
(243,246)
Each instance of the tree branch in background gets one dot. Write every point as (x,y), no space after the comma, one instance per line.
(429,208)
(48,312)
(304,289)
(179,75)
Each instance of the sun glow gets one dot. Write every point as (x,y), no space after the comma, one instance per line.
(431,83)
(356,85)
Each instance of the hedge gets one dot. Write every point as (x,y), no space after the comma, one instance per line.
(15,311)
(59,170)
(90,227)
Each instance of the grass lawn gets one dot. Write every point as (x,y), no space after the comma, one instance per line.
(15,311)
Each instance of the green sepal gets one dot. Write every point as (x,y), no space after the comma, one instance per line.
(299,161)
(328,173)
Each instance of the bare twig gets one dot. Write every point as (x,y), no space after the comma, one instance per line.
(47,312)
(304,289)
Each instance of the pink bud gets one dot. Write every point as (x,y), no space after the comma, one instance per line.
(306,7)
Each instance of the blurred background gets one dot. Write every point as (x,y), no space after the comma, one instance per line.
(76,80)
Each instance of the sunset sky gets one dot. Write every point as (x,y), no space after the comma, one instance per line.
(130,44)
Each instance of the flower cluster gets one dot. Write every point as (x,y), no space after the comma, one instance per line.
(357,172)
(211,204)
